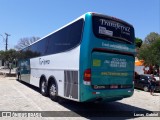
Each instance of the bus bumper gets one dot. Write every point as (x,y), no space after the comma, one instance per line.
(105,95)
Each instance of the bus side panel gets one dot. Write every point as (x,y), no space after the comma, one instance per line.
(63,69)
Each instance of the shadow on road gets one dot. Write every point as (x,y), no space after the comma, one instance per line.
(30,86)
(111,110)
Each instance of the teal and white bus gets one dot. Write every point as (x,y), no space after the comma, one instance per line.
(90,59)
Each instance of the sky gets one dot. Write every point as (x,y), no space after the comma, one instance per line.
(27,18)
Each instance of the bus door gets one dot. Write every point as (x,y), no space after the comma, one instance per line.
(25,70)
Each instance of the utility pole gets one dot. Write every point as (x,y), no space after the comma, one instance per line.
(7,40)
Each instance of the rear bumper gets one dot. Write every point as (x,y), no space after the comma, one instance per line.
(105,95)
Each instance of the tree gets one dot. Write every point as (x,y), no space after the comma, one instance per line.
(155,51)
(150,51)
(151,38)
(138,42)
(24,42)
(9,57)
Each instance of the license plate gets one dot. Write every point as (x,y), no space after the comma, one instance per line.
(114,86)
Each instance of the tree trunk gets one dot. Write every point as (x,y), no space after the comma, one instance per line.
(9,70)
(10,67)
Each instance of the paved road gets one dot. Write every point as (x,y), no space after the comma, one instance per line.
(16,96)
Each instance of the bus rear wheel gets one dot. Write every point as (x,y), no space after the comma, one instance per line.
(53,91)
(43,88)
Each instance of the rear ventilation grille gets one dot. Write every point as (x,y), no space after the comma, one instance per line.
(71,84)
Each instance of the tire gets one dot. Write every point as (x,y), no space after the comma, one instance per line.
(145,88)
(53,91)
(43,88)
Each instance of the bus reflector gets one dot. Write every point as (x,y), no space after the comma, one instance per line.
(95,92)
(87,76)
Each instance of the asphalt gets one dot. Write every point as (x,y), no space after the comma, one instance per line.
(22,97)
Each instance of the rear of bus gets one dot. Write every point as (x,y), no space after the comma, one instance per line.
(106,59)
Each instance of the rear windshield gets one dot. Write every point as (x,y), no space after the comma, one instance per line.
(105,27)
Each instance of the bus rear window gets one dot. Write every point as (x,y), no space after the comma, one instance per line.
(106,27)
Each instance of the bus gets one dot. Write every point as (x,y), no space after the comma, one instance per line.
(90,59)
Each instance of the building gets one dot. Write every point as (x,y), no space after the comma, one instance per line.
(1,63)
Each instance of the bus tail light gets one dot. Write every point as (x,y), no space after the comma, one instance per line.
(87,77)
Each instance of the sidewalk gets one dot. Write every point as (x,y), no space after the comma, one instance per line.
(5,72)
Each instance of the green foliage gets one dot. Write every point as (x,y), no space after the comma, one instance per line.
(150,50)
(155,51)
(9,56)
(151,38)
(138,42)
(1,54)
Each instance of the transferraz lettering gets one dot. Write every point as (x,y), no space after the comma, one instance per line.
(115,25)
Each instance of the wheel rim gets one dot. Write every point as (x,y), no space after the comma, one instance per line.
(53,90)
(145,89)
(43,87)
